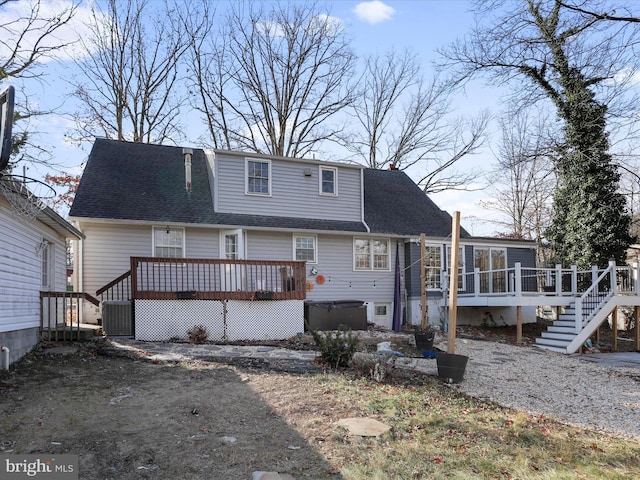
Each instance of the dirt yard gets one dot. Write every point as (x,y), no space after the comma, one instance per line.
(130,418)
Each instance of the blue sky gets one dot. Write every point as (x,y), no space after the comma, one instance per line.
(375,26)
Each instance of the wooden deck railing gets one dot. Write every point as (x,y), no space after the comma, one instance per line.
(117,289)
(61,314)
(216,279)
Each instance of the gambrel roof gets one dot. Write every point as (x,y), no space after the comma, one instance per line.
(145,182)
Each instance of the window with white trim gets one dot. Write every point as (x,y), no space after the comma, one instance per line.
(305,248)
(328,181)
(492,262)
(168,242)
(433,267)
(371,254)
(258,177)
(46,263)
(461,276)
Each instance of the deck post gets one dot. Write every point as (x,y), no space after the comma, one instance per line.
(423,283)
(635,278)
(519,324)
(613,275)
(636,317)
(614,329)
(578,321)
(453,282)
(476,281)
(518,274)
(574,279)
(558,279)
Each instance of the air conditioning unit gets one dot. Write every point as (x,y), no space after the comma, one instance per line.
(117,317)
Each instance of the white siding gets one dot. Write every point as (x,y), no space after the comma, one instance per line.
(108,248)
(21,269)
(335,263)
(292,193)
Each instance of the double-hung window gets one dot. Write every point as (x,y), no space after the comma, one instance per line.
(461,276)
(433,267)
(329,181)
(371,254)
(46,264)
(168,242)
(305,248)
(258,177)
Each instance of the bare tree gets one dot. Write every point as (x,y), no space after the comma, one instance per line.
(129,87)
(523,182)
(270,80)
(30,38)
(401,121)
(30,34)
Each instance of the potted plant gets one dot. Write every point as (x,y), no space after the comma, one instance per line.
(424,337)
(264,295)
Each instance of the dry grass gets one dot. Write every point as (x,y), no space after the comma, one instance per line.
(438,433)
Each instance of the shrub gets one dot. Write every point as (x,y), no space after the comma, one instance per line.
(336,348)
(198,334)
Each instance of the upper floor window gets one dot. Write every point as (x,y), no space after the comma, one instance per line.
(371,254)
(328,181)
(258,177)
(305,248)
(168,242)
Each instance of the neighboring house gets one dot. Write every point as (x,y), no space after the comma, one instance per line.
(33,258)
(345,221)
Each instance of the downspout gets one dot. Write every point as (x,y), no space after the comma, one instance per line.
(362,200)
(6,351)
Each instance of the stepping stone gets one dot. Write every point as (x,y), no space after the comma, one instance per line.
(165,358)
(271,476)
(364,427)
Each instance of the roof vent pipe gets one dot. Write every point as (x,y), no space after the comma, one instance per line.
(187,167)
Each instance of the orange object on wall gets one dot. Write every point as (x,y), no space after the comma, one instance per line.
(320,279)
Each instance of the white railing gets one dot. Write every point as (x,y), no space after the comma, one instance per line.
(601,290)
(558,281)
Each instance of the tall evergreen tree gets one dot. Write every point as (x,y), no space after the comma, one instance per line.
(590,225)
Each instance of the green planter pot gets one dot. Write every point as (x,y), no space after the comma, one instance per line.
(451,366)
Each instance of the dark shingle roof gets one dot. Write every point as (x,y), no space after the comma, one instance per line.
(394,204)
(135,181)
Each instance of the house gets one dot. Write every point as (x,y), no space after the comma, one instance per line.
(344,221)
(33,259)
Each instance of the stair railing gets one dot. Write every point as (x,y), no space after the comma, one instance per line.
(600,291)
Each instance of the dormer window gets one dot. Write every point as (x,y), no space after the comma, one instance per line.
(258,177)
(329,181)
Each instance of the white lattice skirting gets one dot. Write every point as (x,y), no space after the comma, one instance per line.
(161,320)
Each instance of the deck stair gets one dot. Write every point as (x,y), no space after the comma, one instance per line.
(580,319)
